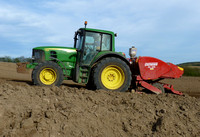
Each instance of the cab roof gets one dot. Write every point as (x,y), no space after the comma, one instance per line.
(98,30)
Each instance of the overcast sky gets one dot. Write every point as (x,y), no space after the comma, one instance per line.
(165,29)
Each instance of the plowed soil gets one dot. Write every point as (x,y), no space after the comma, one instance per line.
(72,110)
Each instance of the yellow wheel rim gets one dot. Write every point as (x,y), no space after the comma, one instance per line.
(48,76)
(112,77)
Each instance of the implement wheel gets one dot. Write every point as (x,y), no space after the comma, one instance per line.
(112,74)
(47,74)
(159,86)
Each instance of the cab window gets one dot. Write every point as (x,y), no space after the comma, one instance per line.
(106,42)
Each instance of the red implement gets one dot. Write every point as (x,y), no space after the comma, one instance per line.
(151,70)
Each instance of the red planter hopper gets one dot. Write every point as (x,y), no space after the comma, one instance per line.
(153,68)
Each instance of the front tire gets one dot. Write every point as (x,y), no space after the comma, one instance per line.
(112,74)
(47,74)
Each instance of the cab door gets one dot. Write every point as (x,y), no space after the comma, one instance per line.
(91,47)
(78,43)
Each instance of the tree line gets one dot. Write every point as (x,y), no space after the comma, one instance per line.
(14,60)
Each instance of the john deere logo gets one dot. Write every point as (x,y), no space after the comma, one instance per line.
(151,65)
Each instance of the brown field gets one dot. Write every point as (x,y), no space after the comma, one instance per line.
(185,84)
(73,110)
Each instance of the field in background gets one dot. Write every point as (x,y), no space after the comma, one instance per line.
(191,69)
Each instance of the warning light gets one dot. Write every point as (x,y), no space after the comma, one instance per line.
(85,24)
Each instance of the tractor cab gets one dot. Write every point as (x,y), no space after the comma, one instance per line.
(89,42)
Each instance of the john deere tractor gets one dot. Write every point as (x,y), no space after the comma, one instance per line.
(92,61)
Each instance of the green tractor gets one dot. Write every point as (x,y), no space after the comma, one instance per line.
(92,61)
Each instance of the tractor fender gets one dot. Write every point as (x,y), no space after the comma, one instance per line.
(117,55)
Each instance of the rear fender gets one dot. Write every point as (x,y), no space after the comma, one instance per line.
(109,55)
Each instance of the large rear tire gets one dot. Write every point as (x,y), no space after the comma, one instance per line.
(47,74)
(112,74)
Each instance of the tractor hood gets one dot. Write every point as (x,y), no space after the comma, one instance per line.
(64,54)
(47,48)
